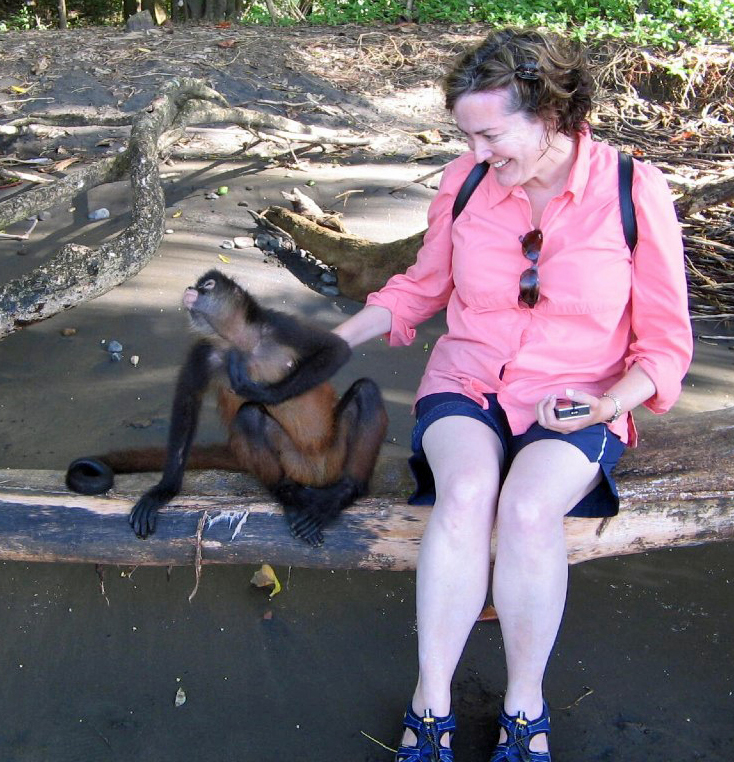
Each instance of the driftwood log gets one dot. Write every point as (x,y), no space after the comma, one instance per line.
(363,266)
(677,489)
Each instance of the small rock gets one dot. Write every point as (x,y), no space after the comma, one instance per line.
(226,245)
(210,196)
(68,331)
(99,214)
(114,346)
(43,216)
(244,242)
(168,231)
(139,21)
(242,203)
(265,242)
(329,278)
(249,187)
(329,290)
(115,356)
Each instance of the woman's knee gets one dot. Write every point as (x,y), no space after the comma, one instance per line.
(467,498)
(527,518)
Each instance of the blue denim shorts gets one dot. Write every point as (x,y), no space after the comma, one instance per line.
(596,442)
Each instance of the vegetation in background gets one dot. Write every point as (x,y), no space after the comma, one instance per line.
(667,23)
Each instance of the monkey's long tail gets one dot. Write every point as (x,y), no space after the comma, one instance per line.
(95,475)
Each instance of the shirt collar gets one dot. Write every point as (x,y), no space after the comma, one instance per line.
(577,179)
(579,176)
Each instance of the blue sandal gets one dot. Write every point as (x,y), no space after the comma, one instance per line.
(520,731)
(428,730)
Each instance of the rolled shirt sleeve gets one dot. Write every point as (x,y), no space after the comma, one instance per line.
(662,343)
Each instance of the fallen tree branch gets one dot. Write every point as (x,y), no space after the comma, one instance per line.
(705,196)
(363,266)
(674,492)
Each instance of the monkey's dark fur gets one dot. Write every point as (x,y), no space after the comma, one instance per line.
(314,453)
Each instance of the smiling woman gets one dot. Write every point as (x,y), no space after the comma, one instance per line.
(544,300)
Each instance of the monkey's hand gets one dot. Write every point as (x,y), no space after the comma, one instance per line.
(242,384)
(143,515)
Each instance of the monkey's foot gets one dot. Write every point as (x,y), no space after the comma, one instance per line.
(305,526)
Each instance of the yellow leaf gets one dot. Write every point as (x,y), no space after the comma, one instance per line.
(224,259)
(19,90)
(178,213)
(145,50)
(265,576)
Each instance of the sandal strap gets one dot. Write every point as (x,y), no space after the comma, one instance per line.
(428,732)
(526,727)
(520,731)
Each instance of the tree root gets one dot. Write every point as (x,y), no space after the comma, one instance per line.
(77,273)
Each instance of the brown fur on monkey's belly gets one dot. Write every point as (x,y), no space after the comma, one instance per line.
(317,459)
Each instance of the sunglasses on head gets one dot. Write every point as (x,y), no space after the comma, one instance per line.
(529,280)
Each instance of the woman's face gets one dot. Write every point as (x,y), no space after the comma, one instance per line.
(515,145)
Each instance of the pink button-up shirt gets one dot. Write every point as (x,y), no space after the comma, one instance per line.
(600,309)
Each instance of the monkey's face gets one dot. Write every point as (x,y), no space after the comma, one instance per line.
(216,305)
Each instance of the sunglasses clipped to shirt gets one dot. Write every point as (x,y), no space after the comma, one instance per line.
(529,279)
(532,242)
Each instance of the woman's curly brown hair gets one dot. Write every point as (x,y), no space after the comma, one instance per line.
(546,76)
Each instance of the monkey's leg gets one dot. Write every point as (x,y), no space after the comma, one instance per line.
(261,445)
(361,423)
(193,379)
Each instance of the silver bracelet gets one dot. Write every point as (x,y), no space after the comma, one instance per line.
(617,407)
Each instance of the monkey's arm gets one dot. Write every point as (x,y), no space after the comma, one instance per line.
(321,354)
(193,379)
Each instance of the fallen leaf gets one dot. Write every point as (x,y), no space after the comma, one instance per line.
(60,166)
(145,50)
(224,259)
(226,43)
(264,577)
(682,136)
(429,136)
(19,90)
(223,25)
(40,66)
(180,697)
(268,615)
(177,213)
(489,614)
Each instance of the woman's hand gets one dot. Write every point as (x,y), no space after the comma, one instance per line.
(601,409)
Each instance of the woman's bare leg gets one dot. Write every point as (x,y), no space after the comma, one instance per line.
(453,564)
(546,480)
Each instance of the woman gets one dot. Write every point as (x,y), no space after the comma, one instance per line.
(544,300)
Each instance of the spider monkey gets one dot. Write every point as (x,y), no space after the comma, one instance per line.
(314,453)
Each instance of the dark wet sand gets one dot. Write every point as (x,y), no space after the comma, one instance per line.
(88,677)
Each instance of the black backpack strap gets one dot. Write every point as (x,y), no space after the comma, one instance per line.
(470,185)
(626,204)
